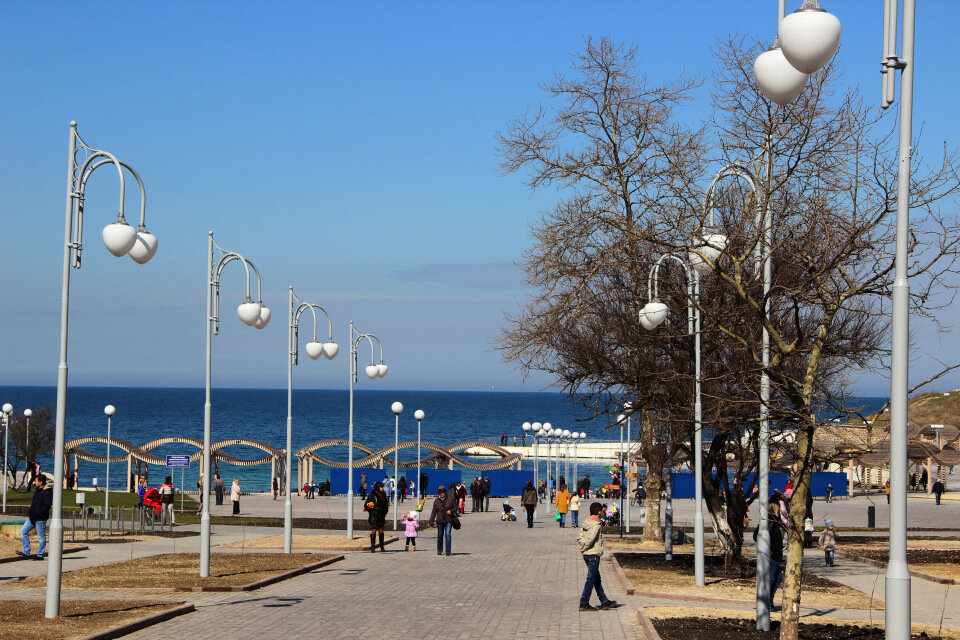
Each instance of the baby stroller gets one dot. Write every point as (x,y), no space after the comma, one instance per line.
(152,505)
(508,514)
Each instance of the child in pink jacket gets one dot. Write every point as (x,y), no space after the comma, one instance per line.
(411,524)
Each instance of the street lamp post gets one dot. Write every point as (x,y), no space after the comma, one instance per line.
(418,414)
(397,409)
(314,349)
(810,37)
(577,437)
(373,372)
(109,410)
(628,406)
(254,314)
(28,413)
(650,317)
(549,432)
(566,453)
(120,239)
(7,410)
(621,419)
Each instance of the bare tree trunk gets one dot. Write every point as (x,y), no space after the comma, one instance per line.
(792,582)
(654,483)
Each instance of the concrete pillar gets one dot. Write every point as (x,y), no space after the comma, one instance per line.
(850,472)
(310,470)
(450,464)
(129,465)
(929,475)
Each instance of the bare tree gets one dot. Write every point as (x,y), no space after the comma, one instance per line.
(30,445)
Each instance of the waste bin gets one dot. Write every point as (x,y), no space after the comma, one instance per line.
(871,517)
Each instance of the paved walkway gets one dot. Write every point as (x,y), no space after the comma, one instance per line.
(503,581)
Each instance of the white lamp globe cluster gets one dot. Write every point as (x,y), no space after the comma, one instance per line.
(254,314)
(806,40)
(375,371)
(328,349)
(121,239)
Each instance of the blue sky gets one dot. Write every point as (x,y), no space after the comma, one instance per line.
(348,149)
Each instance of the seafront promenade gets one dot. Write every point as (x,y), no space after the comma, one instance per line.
(502,581)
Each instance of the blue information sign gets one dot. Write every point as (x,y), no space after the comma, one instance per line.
(178,461)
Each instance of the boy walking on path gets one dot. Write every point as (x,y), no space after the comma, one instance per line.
(37,517)
(591,546)
(828,542)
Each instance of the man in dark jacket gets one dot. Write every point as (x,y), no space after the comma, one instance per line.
(775,527)
(938,490)
(37,517)
(485,484)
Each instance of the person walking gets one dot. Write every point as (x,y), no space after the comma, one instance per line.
(424,481)
(461,497)
(363,485)
(529,501)
(938,490)
(590,541)
(575,510)
(886,490)
(166,498)
(37,518)
(376,506)
(443,514)
(563,504)
(235,494)
(486,492)
(402,489)
(276,487)
(828,542)
(219,488)
(475,494)
(586,487)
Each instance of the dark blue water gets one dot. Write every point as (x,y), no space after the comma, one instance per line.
(145,414)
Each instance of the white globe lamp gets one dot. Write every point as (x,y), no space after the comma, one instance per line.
(397,408)
(119,238)
(144,248)
(652,315)
(778,80)
(314,349)
(249,312)
(809,37)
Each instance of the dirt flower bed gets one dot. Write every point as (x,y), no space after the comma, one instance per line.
(942,563)
(321,541)
(645,546)
(649,572)
(12,545)
(687,623)
(24,619)
(181,570)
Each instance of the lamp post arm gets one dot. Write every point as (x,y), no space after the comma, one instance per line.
(78,188)
(304,306)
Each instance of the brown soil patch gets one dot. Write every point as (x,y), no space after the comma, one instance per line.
(12,545)
(942,563)
(321,541)
(650,572)
(181,570)
(24,619)
(690,623)
(643,546)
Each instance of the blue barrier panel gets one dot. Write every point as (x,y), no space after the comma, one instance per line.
(820,480)
(338,480)
(683,483)
(503,482)
(435,478)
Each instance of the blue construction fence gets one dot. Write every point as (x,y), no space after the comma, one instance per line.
(502,482)
(683,483)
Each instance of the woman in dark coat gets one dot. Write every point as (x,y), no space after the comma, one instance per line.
(444,511)
(376,506)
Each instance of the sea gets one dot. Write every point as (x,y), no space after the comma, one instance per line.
(146,414)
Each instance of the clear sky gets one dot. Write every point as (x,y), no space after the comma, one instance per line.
(348,149)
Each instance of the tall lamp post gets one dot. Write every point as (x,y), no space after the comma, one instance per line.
(7,410)
(397,409)
(418,414)
(549,432)
(109,410)
(373,372)
(810,37)
(628,407)
(577,437)
(622,419)
(120,239)
(314,349)
(27,413)
(698,261)
(254,314)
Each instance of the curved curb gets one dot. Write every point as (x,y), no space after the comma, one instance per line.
(648,629)
(622,576)
(18,558)
(688,598)
(142,623)
(883,565)
(265,582)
